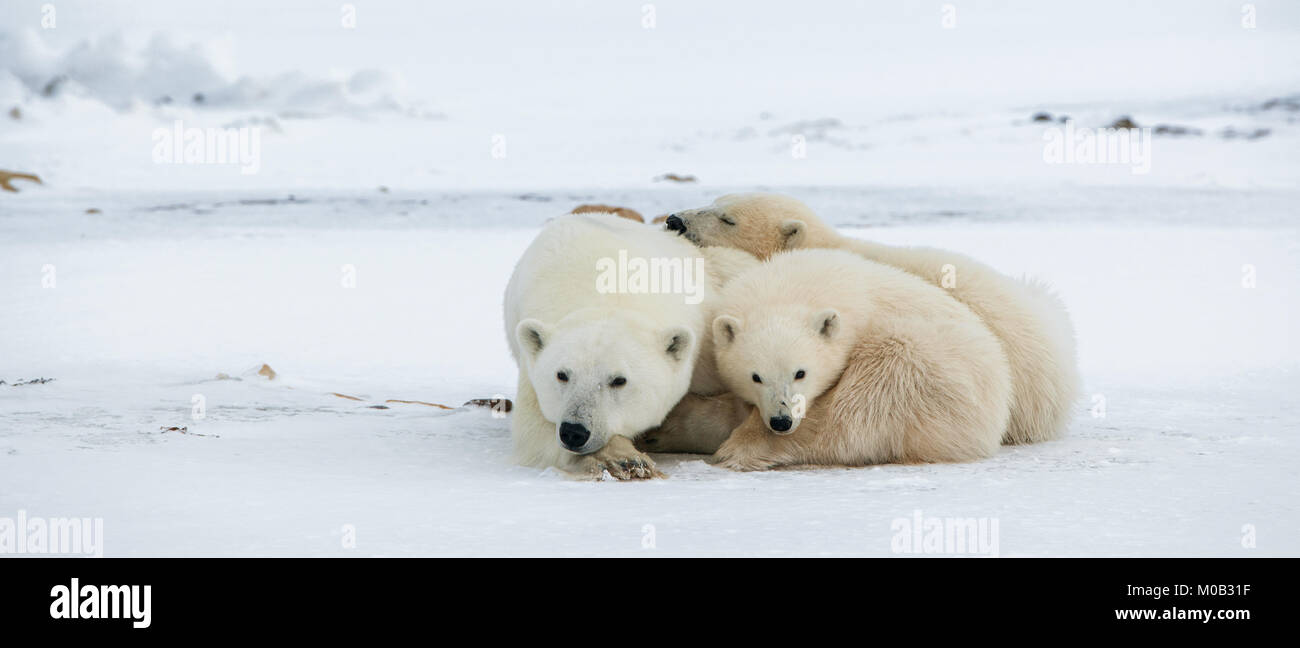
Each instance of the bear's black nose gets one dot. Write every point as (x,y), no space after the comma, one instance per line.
(780,423)
(675,224)
(574,435)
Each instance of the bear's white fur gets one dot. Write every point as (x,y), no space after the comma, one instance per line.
(1028,319)
(558,321)
(863,362)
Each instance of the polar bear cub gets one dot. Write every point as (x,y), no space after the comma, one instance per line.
(606,319)
(852,362)
(1028,319)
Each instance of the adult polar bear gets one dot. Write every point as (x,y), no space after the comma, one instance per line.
(1029,321)
(599,362)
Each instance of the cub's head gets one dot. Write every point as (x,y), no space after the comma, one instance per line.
(600,377)
(761,224)
(780,362)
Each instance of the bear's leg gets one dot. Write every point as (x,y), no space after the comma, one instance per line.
(752,446)
(698,425)
(620,459)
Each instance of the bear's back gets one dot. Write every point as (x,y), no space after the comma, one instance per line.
(825,278)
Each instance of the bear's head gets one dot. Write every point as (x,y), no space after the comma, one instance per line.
(780,360)
(597,375)
(761,224)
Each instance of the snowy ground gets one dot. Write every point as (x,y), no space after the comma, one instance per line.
(158,294)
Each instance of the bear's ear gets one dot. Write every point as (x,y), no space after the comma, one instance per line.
(792,233)
(827,323)
(725,330)
(531,335)
(678,342)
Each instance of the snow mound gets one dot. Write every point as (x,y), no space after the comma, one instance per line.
(112,71)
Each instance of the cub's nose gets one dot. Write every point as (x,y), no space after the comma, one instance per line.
(780,423)
(675,224)
(574,435)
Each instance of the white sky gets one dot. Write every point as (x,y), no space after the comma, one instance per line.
(596,59)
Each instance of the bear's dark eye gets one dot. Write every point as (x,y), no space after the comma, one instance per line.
(798,375)
(757,379)
(618,382)
(562,377)
(726,220)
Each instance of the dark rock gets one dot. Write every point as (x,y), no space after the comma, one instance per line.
(1170,129)
(34,381)
(52,87)
(1232,133)
(1290,104)
(673,177)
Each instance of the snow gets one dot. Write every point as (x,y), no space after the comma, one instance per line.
(376,163)
(1197,372)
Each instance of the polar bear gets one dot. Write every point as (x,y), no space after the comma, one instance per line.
(1029,320)
(604,352)
(851,362)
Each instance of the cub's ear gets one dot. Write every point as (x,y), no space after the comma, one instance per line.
(678,342)
(725,330)
(827,323)
(792,233)
(532,335)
